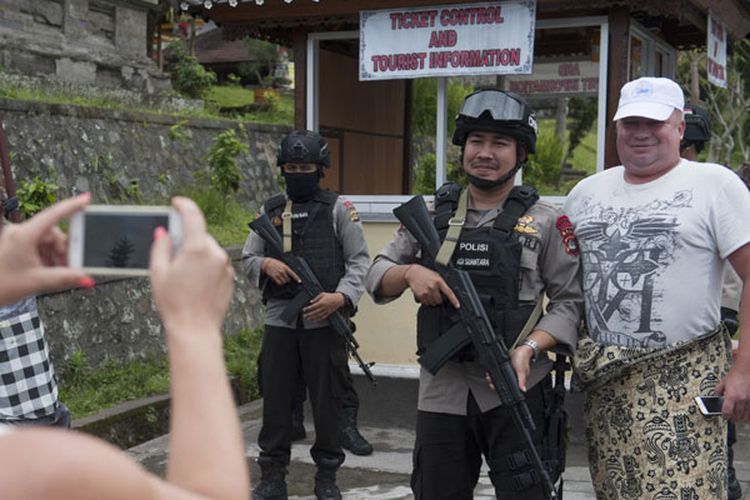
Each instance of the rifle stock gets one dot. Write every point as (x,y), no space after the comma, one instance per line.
(492,353)
(311,288)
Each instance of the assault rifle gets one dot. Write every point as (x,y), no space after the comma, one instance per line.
(311,288)
(491,351)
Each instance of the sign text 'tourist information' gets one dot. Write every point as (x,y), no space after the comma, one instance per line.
(447,40)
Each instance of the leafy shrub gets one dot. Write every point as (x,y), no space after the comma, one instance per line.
(543,168)
(35,195)
(222,160)
(189,77)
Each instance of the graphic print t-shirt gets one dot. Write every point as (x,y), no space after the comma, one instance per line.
(653,253)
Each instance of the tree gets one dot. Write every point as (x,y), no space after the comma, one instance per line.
(264,55)
(120,254)
(728,108)
(225,173)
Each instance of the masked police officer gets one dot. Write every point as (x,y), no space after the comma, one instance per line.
(515,249)
(325,230)
(697,134)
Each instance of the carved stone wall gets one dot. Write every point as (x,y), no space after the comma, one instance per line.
(105,151)
(85,42)
(90,149)
(117,319)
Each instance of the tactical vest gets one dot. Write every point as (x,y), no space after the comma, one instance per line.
(492,257)
(313,238)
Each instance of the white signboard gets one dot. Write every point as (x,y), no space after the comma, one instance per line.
(716,50)
(447,40)
(567,78)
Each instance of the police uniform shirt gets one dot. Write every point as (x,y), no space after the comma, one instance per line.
(348,229)
(549,263)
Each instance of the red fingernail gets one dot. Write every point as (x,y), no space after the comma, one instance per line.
(86,283)
(159,232)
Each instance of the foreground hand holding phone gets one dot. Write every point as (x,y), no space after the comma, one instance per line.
(192,290)
(34,254)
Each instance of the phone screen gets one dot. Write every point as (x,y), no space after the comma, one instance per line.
(120,240)
(712,404)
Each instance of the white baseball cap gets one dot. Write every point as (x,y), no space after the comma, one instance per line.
(649,97)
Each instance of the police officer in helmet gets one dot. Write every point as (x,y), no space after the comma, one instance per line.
(515,248)
(325,229)
(697,132)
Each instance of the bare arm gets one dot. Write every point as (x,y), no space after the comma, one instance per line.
(192,292)
(736,385)
(69,465)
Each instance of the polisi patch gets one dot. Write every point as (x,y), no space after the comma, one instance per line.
(473,255)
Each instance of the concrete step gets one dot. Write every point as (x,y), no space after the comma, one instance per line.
(387,415)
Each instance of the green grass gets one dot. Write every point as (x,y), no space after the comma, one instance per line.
(86,391)
(282,112)
(241,356)
(60,97)
(226,218)
(229,96)
(584,155)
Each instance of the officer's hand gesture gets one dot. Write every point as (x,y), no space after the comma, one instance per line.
(323,306)
(280,273)
(520,359)
(428,287)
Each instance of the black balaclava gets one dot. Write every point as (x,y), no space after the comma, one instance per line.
(302,187)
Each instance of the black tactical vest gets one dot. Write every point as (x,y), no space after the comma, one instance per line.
(492,257)
(313,238)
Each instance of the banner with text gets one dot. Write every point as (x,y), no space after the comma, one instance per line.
(569,78)
(716,50)
(447,40)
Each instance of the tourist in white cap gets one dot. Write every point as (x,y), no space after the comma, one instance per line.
(654,235)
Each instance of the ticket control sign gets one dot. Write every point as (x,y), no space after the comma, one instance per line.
(447,40)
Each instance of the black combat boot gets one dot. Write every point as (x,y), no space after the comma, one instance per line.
(325,480)
(351,439)
(272,485)
(298,421)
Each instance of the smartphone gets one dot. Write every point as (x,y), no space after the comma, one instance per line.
(116,239)
(710,405)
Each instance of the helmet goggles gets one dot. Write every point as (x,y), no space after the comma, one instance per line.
(500,105)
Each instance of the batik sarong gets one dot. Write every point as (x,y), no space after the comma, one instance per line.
(646,436)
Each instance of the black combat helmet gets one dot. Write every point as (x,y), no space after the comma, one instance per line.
(697,125)
(493,110)
(303,146)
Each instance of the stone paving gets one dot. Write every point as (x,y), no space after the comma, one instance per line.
(385,474)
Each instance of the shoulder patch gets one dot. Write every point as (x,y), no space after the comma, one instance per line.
(570,242)
(353,215)
(524,226)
